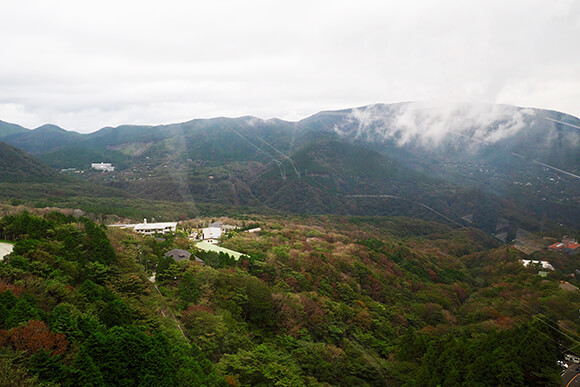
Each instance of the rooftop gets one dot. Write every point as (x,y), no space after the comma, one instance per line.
(568,244)
(154,226)
(178,254)
(206,246)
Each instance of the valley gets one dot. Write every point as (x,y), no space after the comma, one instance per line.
(391,245)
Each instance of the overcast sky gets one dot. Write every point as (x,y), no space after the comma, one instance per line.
(84,65)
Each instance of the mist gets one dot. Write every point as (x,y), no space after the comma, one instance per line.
(430,124)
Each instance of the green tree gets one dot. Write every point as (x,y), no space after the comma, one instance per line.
(61,319)
(48,368)
(86,372)
(115,313)
(14,374)
(23,311)
(188,290)
(262,366)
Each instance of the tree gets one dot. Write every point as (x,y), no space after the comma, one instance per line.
(258,308)
(99,246)
(86,373)
(14,374)
(48,368)
(97,272)
(169,273)
(61,319)
(157,365)
(24,310)
(188,290)
(262,366)
(115,313)
(36,336)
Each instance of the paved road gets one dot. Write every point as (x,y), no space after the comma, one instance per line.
(571,378)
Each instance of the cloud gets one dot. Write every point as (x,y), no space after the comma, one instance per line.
(129,60)
(432,123)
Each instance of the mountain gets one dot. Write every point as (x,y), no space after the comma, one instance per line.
(344,161)
(528,156)
(333,176)
(23,179)
(465,132)
(7,129)
(43,139)
(18,166)
(330,289)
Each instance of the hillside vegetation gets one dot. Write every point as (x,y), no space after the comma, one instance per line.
(326,300)
(19,166)
(489,161)
(76,312)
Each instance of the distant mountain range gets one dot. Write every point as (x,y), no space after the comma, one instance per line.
(378,159)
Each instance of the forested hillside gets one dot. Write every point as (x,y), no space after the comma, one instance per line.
(384,254)
(521,162)
(19,166)
(316,301)
(75,312)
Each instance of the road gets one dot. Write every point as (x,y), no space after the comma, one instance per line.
(571,377)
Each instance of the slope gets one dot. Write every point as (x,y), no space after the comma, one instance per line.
(520,155)
(19,166)
(7,129)
(333,176)
(43,139)
(524,155)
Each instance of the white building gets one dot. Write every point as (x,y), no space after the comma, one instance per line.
(105,167)
(155,228)
(570,357)
(543,264)
(213,232)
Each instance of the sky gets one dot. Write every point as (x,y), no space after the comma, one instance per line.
(84,65)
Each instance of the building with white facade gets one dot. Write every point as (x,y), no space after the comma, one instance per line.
(155,228)
(543,264)
(105,167)
(213,232)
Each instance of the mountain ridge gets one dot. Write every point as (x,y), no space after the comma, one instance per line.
(523,155)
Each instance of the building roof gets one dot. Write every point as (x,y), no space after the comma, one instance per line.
(178,254)
(122,225)
(568,286)
(544,264)
(155,226)
(206,246)
(5,249)
(570,245)
(214,225)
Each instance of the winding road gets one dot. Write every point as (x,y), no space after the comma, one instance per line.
(571,378)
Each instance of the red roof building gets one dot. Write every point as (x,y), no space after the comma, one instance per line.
(566,246)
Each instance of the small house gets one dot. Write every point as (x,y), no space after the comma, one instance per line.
(105,167)
(178,254)
(572,358)
(213,232)
(543,264)
(568,246)
(565,285)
